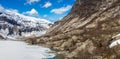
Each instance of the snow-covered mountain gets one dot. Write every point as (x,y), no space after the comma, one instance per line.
(13,23)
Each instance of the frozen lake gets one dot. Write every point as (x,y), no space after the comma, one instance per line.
(20,50)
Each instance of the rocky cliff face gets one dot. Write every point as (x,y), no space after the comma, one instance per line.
(86,32)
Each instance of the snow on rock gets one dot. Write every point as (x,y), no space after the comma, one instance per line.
(118,35)
(3,33)
(24,20)
(117,42)
(16,23)
(33,33)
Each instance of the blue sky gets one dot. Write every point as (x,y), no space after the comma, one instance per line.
(52,10)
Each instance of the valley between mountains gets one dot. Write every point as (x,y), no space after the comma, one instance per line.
(91,30)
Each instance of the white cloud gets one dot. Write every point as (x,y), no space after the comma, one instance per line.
(61,10)
(33,12)
(31,1)
(59,1)
(47,4)
(9,10)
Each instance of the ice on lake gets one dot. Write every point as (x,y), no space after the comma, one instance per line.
(20,50)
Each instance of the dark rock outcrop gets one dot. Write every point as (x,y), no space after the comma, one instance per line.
(86,32)
(13,22)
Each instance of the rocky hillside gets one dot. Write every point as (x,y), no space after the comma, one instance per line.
(86,32)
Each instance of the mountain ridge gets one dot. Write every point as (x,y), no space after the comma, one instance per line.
(17,24)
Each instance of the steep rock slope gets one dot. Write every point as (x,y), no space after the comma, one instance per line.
(86,32)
